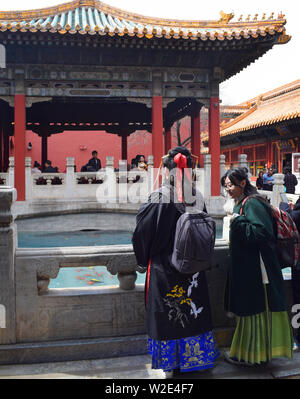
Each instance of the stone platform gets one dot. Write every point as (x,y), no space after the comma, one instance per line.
(139,367)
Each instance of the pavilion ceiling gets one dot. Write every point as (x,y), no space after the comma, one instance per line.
(113,115)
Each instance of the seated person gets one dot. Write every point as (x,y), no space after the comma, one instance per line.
(268,180)
(142,164)
(49,168)
(94,163)
(36,168)
(259,180)
(134,163)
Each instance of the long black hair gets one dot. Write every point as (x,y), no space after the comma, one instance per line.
(236,176)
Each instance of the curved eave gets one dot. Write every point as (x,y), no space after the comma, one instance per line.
(270,122)
(146,31)
(121,14)
(94,17)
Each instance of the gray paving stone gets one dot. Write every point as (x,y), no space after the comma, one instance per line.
(139,367)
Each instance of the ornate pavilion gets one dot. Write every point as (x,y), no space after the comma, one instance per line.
(266,128)
(84,65)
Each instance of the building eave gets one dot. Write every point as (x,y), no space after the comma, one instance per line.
(92,17)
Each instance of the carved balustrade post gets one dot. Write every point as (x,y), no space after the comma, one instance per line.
(8,244)
(278,189)
(28,179)
(70,177)
(11,172)
(207,175)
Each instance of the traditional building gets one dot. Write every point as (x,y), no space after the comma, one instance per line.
(267,129)
(87,66)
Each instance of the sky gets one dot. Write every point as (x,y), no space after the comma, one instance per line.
(276,68)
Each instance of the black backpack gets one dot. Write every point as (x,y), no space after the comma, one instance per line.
(194,242)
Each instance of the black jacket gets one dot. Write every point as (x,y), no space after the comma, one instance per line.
(50,169)
(295,213)
(290,181)
(95,164)
(177,305)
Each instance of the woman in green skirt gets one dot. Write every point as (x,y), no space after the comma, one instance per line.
(255,291)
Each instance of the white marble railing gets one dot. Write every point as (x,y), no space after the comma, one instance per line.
(95,185)
(108,186)
(4,179)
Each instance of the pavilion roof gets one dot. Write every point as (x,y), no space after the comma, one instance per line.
(278,105)
(94,17)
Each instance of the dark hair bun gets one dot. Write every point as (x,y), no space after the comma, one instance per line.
(168,160)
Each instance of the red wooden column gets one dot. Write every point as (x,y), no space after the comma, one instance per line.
(214,144)
(196,135)
(124,146)
(44,150)
(168,139)
(20,129)
(279,160)
(269,153)
(157,130)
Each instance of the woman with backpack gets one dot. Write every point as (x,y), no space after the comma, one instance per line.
(177,305)
(255,291)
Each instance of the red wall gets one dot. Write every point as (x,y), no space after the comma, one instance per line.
(80,144)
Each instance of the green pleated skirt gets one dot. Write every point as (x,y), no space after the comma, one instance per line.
(262,337)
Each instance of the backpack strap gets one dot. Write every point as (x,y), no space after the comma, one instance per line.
(243,203)
(247,198)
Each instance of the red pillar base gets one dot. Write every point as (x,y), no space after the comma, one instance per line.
(157,130)
(20,128)
(157,138)
(214,145)
(196,137)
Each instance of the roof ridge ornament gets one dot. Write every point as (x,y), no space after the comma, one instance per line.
(88,3)
(225,18)
(283,39)
(259,99)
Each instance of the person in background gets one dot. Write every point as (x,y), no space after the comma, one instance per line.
(142,164)
(49,168)
(290,180)
(36,168)
(94,163)
(259,180)
(178,315)
(255,291)
(294,211)
(268,180)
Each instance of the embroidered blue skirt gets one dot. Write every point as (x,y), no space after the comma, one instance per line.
(186,354)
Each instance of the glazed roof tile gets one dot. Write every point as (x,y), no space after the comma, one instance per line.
(275,106)
(94,17)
